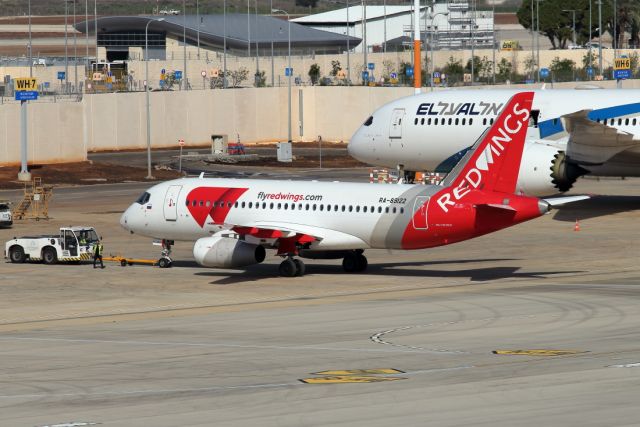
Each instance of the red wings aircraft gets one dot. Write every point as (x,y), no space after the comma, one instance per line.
(233,221)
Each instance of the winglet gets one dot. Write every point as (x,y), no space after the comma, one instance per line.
(494,163)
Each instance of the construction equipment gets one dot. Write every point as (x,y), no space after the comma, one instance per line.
(35,202)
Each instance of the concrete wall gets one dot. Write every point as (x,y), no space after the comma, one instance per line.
(66,131)
(55,133)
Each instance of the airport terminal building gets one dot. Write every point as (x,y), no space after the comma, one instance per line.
(242,35)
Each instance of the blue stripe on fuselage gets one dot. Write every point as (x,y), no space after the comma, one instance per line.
(449,163)
(550,127)
(616,111)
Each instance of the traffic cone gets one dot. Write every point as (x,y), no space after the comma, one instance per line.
(577,226)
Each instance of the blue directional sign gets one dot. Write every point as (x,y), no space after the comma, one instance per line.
(590,71)
(177,75)
(544,72)
(622,74)
(288,71)
(26,95)
(436,75)
(365,75)
(163,71)
(61,75)
(393,75)
(371,66)
(409,71)
(47,85)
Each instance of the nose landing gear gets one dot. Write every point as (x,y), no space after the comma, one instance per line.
(165,260)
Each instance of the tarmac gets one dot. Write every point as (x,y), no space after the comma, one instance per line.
(534,325)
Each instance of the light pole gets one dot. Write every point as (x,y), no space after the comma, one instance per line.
(273,68)
(538,40)
(473,42)
(290,71)
(573,11)
(86,41)
(434,27)
(224,45)
(95,24)
(75,50)
(590,37)
(600,34)
(533,45)
(30,47)
(348,48)
(185,80)
(146,76)
(66,46)
(364,34)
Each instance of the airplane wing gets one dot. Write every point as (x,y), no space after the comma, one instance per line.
(557,201)
(290,234)
(593,143)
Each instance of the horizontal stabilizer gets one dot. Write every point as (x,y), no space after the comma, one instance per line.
(496,206)
(557,201)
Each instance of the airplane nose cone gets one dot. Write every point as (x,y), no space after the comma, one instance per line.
(355,146)
(124,219)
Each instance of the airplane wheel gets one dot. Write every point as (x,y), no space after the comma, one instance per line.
(300,267)
(361,262)
(350,263)
(164,263)
(287,268)
(123,263)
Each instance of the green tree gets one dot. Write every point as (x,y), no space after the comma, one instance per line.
(504,70)
(260,79)
(557,25)
(335,67)
(562,69)
(238,76)
(314,73)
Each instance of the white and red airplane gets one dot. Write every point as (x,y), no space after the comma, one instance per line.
(233,220)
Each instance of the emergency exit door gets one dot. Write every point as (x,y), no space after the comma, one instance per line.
(171,203)
(420,209)
(395,131)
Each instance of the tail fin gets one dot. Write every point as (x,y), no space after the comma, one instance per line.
(493,163)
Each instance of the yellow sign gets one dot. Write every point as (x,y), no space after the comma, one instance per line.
(537,352)
(622,63)
(383,371)
(348,379)
(509,45)
(26,83)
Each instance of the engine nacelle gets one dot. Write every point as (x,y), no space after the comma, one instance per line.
(227,252)
(545,170)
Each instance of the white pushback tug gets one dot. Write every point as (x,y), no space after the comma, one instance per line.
(73,244)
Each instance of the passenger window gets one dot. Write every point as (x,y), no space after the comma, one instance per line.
(450,121)
(456,121)
(314,206)
(250,205)
(343,208)
(300,207)
(264,205)
(242,205)
(394,209)
(201,203)
(484,121)
(208,203)
(626,122)
(364,209)
(187,202)
(401,210)
(470,121)
(357,208)
(415,121)
(279,206)
(619,122)
(335,208)
(491,121)
(634,122)
(386,210)
(285,206)
(194,203)
(464,121)
(373,209)
(229,204)
(271,205)
(435,121)
(350,208)
(379,209)
(236,204)
(306,207)
(321,207)
(429,121)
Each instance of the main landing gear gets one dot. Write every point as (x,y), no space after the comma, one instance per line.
(291,267)
(355,262)
(165,260)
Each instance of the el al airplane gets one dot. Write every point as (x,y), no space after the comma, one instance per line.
(571,133)
(232,221)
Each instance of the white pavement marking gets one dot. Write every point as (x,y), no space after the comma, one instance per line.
(628,365)
(206,345)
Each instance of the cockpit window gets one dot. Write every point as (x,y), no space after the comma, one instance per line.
(369,121)
(144,198)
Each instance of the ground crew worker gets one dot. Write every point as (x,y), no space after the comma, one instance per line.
(97,253)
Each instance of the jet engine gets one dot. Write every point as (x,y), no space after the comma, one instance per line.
(546,170)
(227,251)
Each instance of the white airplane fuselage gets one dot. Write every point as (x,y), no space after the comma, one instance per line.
(431,131)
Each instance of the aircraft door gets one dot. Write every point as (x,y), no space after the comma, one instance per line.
(171,203)
(395,129)
(420,209)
